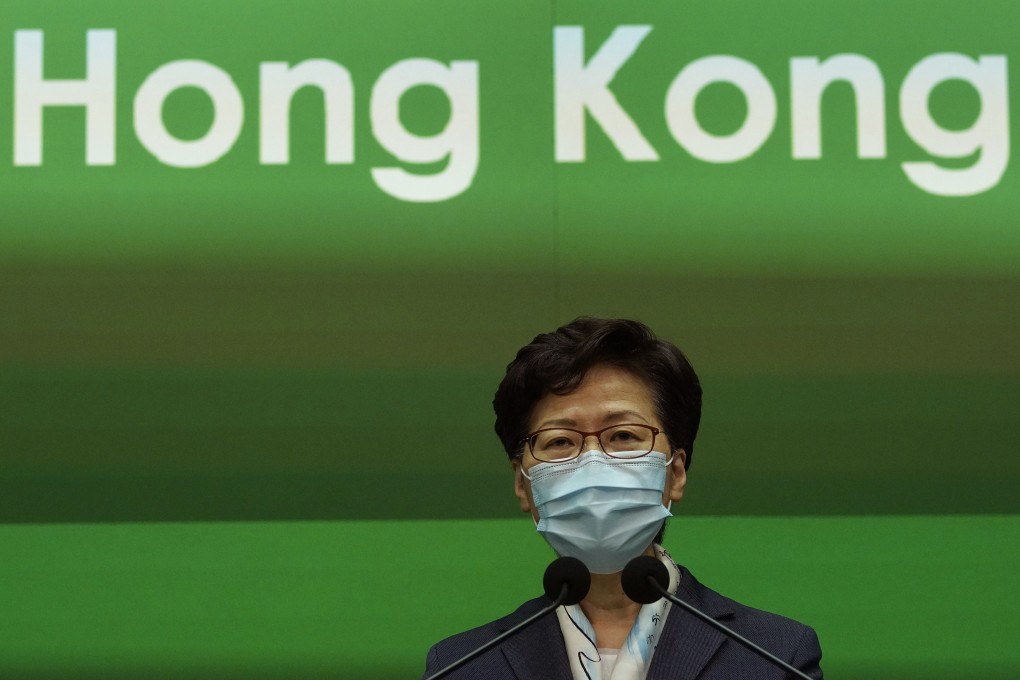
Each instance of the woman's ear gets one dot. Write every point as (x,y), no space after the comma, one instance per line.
(522,489)
(677,481)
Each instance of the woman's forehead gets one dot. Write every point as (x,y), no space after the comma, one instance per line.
(606,394)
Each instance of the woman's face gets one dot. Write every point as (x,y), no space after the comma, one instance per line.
(608,395)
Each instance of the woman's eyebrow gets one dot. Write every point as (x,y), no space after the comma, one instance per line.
(615,415)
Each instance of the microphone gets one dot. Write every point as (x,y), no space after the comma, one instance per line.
(566,581)
(645,580)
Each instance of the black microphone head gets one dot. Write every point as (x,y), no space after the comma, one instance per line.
(635,579)
(569,572)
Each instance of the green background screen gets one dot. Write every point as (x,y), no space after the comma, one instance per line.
(245,422)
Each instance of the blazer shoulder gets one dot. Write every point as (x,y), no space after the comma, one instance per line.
(791,640)
(767,621)
(450,649)
(722,607)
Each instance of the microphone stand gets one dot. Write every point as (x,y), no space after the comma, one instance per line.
(495,641)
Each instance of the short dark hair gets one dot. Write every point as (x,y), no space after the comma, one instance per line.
(557,363)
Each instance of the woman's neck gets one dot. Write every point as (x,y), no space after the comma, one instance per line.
(606,597)
(609,609)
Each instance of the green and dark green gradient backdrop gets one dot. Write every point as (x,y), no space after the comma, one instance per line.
(244,409)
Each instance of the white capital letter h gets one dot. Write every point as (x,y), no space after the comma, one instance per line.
(97,93)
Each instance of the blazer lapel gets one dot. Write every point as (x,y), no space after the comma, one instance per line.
(684,649)
(538,652)
(686,644)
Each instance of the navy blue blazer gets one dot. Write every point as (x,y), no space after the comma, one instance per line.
(687,648)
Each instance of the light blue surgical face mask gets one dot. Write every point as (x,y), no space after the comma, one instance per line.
(604,511)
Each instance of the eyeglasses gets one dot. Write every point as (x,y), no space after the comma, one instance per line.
(559,444)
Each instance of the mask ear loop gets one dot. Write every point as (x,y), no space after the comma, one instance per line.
(669,501)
